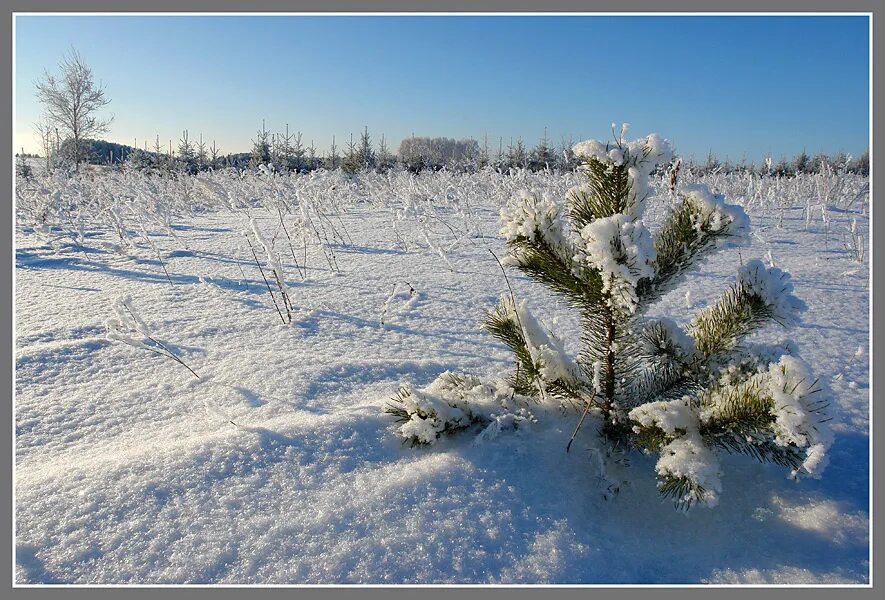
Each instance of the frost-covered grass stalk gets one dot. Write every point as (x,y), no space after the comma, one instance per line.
(853,242)
(276,269)
(291,247)
(311,222)
(685,394)
(139,219)
(412,297)
(128,327)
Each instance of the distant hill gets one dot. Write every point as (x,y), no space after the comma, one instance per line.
(102,152)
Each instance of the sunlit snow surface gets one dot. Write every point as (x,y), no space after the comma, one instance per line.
(130,470)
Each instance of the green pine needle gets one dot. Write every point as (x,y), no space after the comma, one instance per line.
(683,491)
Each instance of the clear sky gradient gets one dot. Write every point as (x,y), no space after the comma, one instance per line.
(741,86)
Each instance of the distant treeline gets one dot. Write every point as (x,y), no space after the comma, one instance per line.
(785,167)
(287,152)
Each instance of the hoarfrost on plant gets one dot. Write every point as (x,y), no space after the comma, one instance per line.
(774,287)
(688,457)
(622,249)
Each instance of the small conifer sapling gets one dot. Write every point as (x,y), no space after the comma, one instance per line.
(684,394)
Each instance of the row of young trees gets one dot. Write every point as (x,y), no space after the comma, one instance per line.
(286,151)
(70,122)
(802,163)
(278,151)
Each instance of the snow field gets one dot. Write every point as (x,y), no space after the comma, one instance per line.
(278,466)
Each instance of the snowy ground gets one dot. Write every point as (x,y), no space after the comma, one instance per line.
(278,465)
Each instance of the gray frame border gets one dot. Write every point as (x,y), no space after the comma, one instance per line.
(623,6)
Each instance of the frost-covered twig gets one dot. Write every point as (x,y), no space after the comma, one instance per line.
(127,323)
(853,242)
(266,282)
(291,248)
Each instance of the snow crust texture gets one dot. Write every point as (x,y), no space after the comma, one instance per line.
(276,465)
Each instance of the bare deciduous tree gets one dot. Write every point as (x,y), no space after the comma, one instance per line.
(418,153)
(72,100)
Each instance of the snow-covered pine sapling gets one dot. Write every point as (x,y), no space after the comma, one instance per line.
(649,385)
(682,394)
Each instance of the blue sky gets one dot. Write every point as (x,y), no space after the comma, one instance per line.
(742,86)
